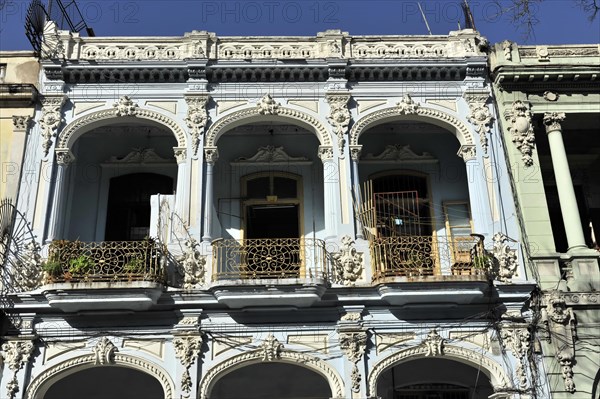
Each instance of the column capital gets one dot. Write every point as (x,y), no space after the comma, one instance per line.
(211,154)
(64,156)
(325,153)
(467,152)
(21,122)
(180,154)
(552,121)
(355,151)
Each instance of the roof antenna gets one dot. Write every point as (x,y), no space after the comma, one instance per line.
(469,20)
(424,19)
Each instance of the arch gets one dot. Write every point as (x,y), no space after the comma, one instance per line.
(421,113)
(497,375)
(253,114)
(85,123)
(335,381)
(42,382)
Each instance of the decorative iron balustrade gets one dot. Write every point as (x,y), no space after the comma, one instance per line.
(104,261)
(416,256)
(269,258)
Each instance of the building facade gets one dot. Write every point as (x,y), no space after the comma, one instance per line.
(548,99)
(249,217)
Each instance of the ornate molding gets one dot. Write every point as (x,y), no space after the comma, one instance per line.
(339,116)
(552,121)
(285,356)
(516,337)
(21,123)
(187,349)
(64,156)
(506,258)
(197,118)
(104,352)
(192,265)
(434,344)
(211,155)
(267,106)
(51,119)
(15,354)
(139,156)
(180,154)
(355,151)
(347,262)
(476,359)
(86,361)
(325,153)
(480,117)
(270,154)
(407,106)
(353,344)
(271,349)
(460,129)
(125,106)
(467,152)
(30,267)
(521,129)
(399,153)
(253,114)
(560,324)
(65,139)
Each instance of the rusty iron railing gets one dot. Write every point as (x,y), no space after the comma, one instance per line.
(269,258)
(104,261)
(416,256)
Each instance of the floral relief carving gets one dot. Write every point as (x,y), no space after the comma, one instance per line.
(560,325)
(552,121)
(192,265)
(64,156)
(31,267)
(50,120)
(187,350)
(271,349)
(21,122)
(339,116)
(517,339)
(481,119)
(325,153)
(353,344)
(348,263)
(434,344)
(267,106)
(407,105)
(104,352)
(211,154)
(506,258)
(196,119)
(521,129)
(467,152)
(15,354)
(125,107)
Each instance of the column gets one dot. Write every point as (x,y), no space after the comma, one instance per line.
(480,211)
(64,158)
(355,155)
(182,194)
(211,154)
(564,183)
(330,184)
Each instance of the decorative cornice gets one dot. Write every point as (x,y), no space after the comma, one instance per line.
(65,139)
(461,130)
(255,113)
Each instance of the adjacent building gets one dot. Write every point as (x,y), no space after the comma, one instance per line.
(295,217)
(548,99)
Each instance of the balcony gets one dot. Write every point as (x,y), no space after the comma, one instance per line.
(269,271)
(106,275)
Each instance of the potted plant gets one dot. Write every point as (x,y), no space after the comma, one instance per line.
(52,269)
(81,265)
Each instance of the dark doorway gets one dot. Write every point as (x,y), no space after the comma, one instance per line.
(272,221)
(128,213)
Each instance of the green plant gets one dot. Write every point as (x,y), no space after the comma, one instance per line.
(482,261)
(81,265)
(134,266)
(53,268)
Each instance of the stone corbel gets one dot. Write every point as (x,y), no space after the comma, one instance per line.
(479,116)
(434,344)
(271,349)
(521,129)
(339,116)
(560,324)
(16,354)
(104,352)
(197,118)
(51,119)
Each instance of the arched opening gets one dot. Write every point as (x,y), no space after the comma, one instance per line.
(106,382)
(271,380)
(415,203)
(434,379)
(128,210)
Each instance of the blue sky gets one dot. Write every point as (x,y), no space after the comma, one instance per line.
(560,21)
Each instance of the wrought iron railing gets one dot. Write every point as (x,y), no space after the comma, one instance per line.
(269,258)
(104,261)
(415,256)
